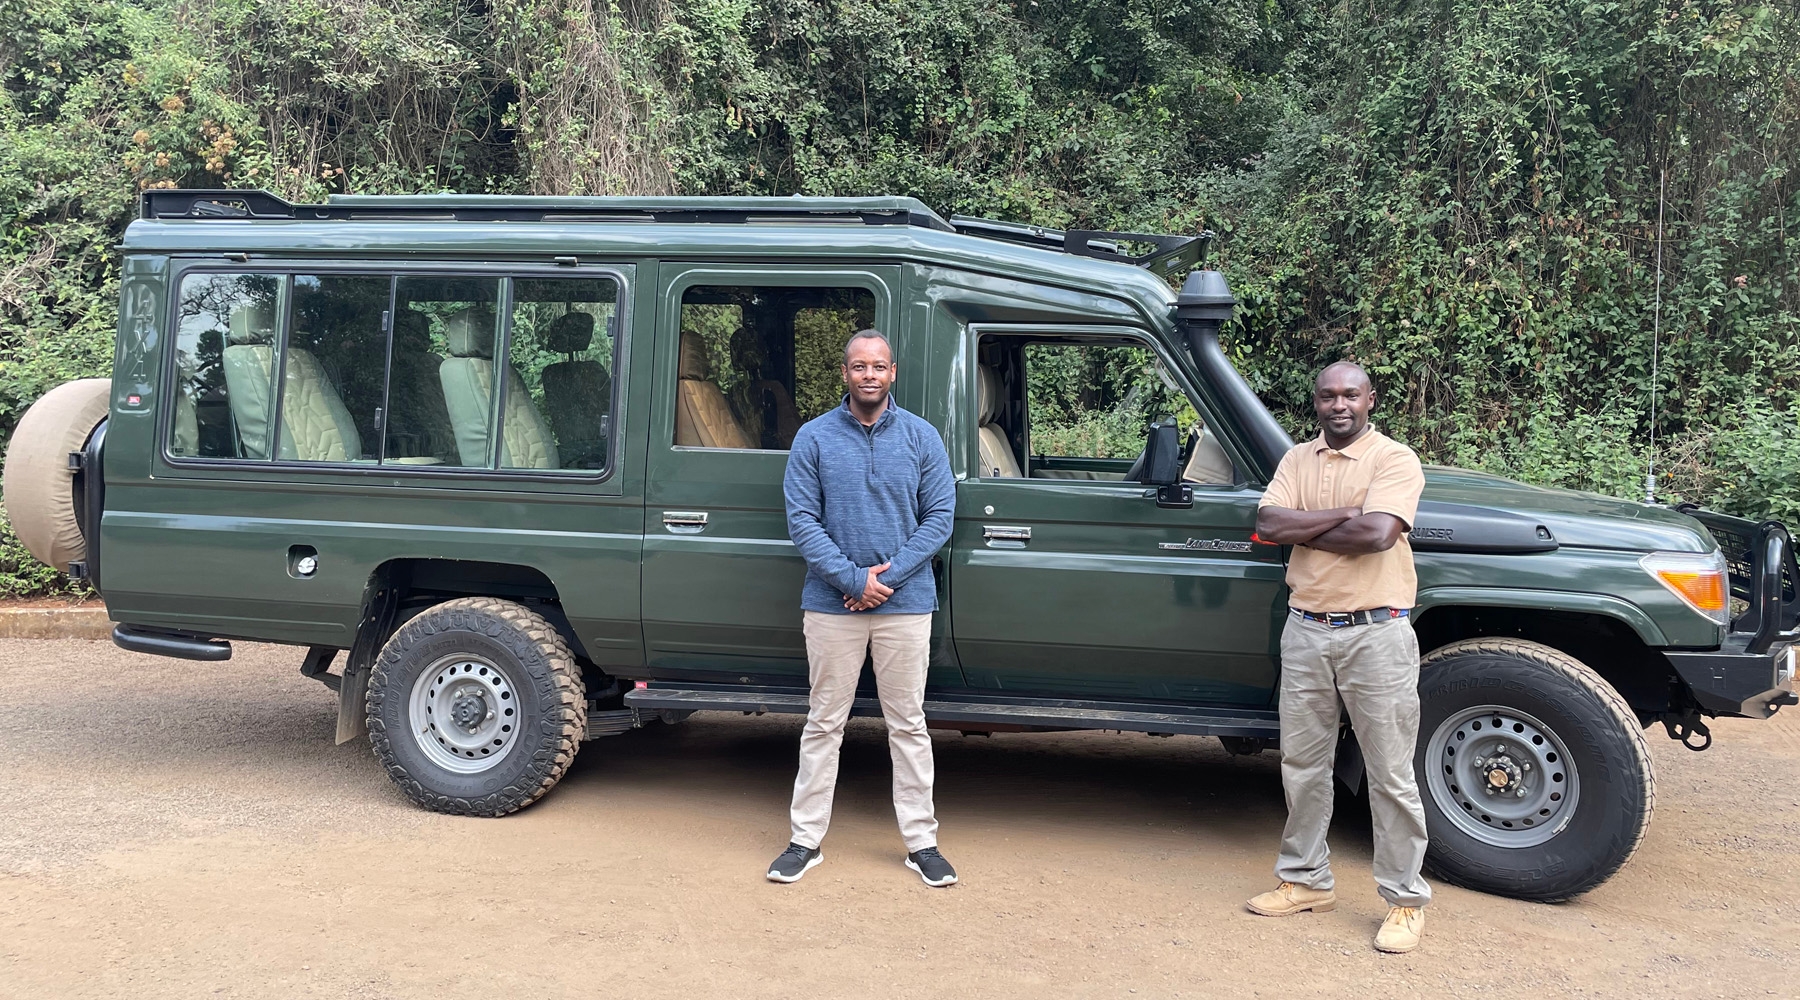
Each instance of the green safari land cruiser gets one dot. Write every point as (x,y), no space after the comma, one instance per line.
(516,464)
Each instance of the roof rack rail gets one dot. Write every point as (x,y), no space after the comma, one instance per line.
(168,203)
(212,203)
(1172,253)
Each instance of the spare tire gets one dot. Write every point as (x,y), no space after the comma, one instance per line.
(39,488)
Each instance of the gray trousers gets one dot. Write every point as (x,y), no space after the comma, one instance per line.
(836,645)
(1374,669)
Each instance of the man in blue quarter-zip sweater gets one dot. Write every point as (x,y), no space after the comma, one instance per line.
(870,501)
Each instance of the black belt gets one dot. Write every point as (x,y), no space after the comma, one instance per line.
(1341,619)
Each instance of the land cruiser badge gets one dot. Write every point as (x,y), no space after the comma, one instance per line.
(1206,545)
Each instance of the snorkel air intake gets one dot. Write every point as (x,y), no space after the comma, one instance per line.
(1203,306)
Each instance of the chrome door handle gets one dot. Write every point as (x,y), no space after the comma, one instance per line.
(1005,533)
(685,522)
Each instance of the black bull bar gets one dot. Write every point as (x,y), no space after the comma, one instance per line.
(1751,673)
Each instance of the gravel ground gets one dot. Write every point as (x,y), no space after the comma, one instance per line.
(178,829)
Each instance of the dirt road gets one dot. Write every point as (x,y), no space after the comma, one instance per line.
(173,829)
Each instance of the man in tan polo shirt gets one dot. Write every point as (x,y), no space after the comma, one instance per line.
(1345,501)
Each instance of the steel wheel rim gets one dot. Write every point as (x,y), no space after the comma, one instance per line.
(464,713)
(1478,762)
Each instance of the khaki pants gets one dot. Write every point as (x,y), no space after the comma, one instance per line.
(1375,670)
(835,648)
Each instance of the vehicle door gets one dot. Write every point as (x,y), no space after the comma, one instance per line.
(1069,581)
(744,357)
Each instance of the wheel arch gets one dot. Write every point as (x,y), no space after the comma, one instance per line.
(399,589)
(1614,638)
(419,583)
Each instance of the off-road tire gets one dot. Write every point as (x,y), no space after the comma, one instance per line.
(1606,752)
(552,705)
(39,488)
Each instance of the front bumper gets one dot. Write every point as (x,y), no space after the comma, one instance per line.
(1732,681)
(1751,674)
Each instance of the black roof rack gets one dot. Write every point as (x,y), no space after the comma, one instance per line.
(252,204)
(1172,253)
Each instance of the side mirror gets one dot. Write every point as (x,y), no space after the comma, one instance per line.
(1162,467)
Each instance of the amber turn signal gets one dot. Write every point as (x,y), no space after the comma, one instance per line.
(1699,580)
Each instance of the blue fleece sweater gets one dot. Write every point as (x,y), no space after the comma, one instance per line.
(862,496)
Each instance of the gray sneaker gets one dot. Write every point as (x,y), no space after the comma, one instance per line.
(794,862)
(931,867)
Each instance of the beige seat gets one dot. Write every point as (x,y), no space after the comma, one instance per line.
(703,418)
(316,426)
(1208,464)
(468,380)
(996,454)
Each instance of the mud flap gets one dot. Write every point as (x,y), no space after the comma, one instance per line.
(379,606)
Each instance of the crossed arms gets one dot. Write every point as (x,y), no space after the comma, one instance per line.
(1344,530)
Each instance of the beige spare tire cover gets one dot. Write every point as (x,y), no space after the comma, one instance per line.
(38,489)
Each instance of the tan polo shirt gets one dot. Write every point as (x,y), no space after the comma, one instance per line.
(1376,473)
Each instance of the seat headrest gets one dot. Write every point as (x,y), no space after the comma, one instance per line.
(748,352)
(987,394)
(253,323)
(471,333)
(693,357)
(571,332)
(412,332)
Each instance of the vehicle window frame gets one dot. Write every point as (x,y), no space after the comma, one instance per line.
(779,277)
(394,271)
(1099,336)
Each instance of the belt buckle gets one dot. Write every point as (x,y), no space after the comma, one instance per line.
(1339,619)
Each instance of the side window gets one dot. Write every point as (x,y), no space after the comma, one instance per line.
(400,370)
(224,349)
(560,386)
(759,361)
(441,387)
(334,364)
(1087,402)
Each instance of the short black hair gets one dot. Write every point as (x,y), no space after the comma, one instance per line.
(870,334)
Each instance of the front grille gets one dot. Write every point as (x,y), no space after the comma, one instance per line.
(1738,560)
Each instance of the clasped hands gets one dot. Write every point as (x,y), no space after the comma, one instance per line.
(875,593)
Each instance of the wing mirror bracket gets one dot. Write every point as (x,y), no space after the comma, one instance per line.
(1162,467)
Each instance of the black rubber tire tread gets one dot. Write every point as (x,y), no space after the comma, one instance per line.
(1621,718)
(559,733)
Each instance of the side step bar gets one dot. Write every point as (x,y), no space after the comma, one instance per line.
(180,645)
(1049,713)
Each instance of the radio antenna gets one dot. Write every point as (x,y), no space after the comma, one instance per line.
(1662,183)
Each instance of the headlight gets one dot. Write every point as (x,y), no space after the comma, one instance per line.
(1699,581)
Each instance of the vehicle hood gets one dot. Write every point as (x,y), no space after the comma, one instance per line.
(1587,520)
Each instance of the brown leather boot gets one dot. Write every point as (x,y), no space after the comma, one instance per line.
(1401,930)
(1287,899)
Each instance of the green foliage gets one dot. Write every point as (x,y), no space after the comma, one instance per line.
(1096,402)
(1463,197)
